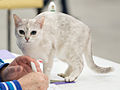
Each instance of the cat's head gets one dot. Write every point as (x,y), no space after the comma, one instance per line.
(28,30)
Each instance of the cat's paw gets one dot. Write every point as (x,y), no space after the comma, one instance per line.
(62,75)
(70,79)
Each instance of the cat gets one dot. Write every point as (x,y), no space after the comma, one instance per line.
(54,34)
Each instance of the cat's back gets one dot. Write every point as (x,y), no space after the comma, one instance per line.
(60,18)
(62,21)
(48,16)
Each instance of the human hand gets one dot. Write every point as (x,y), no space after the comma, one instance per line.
(34,81)
(18,68)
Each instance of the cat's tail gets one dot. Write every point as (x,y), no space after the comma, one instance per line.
(52,7)
(90,62)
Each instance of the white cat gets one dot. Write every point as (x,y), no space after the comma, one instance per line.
(54,34)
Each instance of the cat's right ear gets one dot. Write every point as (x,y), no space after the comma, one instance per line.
(17,20)
(41,21)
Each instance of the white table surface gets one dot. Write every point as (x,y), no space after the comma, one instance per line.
(89,80)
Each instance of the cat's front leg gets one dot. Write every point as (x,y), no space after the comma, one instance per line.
(47,68)
(47,65)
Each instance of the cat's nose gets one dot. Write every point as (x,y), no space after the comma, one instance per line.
(27,39)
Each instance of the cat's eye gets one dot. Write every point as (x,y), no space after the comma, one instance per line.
(22,32)
(33,32)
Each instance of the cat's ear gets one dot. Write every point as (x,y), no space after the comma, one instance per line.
(41,21)
(17,20)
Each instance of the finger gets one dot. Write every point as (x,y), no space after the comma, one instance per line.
(45,77)
(13,72)
(19,68)
(44,86)
(11,69)
(14,69)
(37,66)
(24,59)
(27,68)
(13,63)
(21,60)
(47,83)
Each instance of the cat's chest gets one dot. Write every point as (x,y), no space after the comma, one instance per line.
(37,52)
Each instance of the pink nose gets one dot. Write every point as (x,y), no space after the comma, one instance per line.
(27,38)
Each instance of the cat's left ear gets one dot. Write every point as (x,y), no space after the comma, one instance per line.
(41,21)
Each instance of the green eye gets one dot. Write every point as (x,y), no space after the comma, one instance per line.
(22,32)
(33,32)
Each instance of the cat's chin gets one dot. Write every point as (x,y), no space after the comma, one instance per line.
(27,42)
